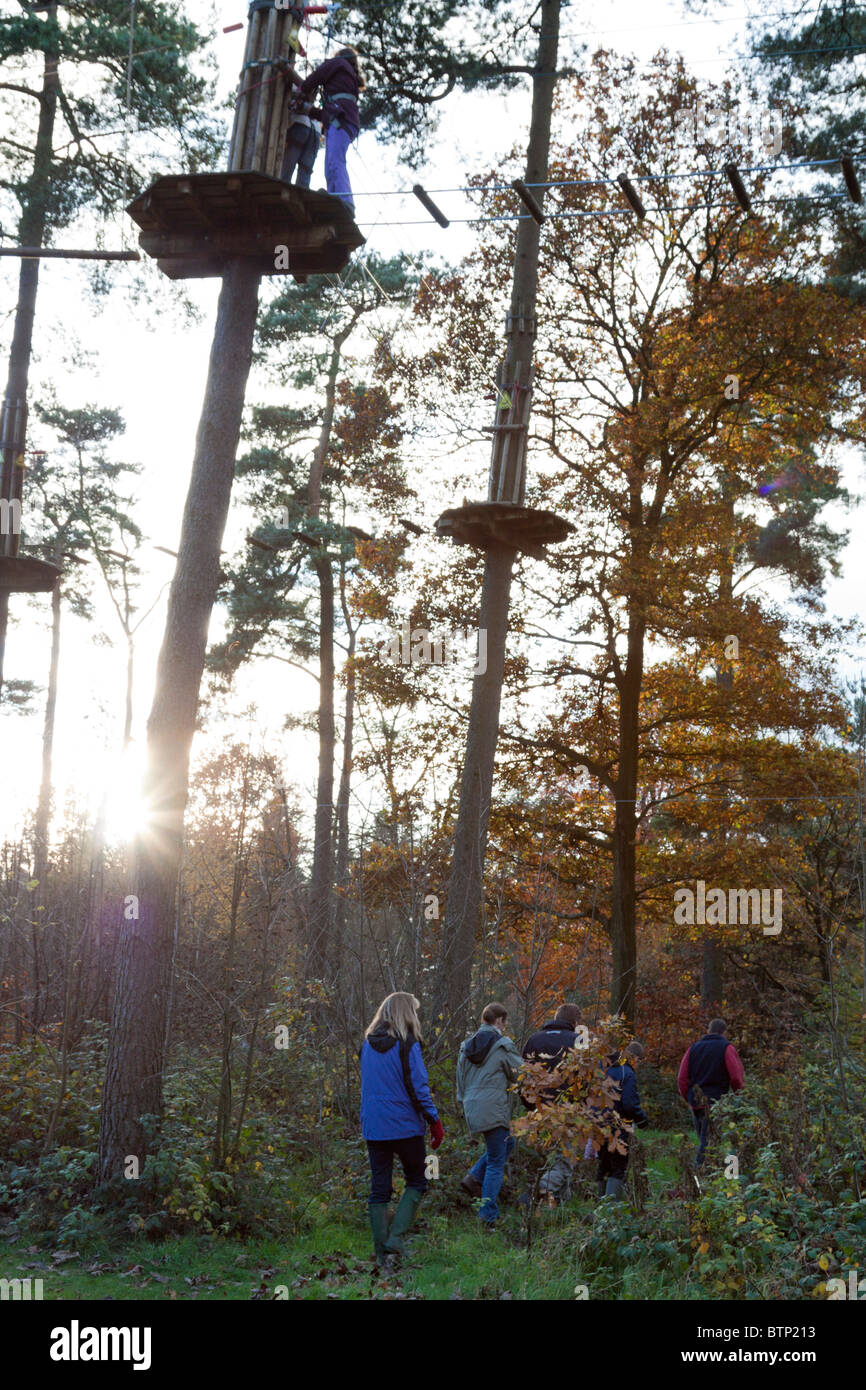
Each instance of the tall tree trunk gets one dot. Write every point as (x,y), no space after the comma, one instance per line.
(712,956)
(229,1008)
(43,807)
(130,674)
(322,875)
(623,927)
(134,1070)
(466,879)
(321,880)
(712,973)
(464,902)
(341,864)
(31,232)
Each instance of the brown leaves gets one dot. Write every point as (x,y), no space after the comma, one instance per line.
(582,1108)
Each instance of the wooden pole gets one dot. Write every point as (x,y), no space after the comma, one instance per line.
(265,89)
(43,253)
(507,482)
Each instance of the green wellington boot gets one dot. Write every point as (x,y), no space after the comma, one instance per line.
(403,1218)
(379,1226)
(614,1190)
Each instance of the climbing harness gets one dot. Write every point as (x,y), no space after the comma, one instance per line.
(334,114)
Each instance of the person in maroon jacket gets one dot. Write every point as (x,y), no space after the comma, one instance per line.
(712,1064)
(341,83)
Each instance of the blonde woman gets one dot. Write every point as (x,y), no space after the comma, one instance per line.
(396,1109)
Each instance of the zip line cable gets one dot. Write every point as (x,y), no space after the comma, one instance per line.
(596,183)
(613,212)
(425,283)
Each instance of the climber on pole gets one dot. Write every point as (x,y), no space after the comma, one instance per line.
(341,82)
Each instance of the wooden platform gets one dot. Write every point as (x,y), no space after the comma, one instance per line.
(193,224)
(22,574)
(485,524)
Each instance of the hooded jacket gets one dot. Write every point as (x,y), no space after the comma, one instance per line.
(336,76)
(388,1071)
(487,1065)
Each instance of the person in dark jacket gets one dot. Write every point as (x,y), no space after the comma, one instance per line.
(612,1165)
(713,1065)
(396,1110)
(550,1046)
(341,83)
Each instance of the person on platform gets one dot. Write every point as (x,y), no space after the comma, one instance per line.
(341,83)
(302,144)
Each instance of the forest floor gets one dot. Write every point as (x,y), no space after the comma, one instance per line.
(450,1257)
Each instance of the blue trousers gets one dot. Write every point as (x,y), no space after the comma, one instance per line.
(337,144)
(702,1129)
(490,1170)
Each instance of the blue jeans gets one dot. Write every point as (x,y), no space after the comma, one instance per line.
(490,1170)
(702,1129)
(336,147)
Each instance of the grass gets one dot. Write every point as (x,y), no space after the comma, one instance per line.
(450,1256)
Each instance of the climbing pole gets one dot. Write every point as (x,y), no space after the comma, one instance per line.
(265,89)
(502,526)
(195,225)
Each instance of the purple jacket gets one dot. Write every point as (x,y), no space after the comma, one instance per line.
(336,75)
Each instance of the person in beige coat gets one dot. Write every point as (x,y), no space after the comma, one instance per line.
(487,1065)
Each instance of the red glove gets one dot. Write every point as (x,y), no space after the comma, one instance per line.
(437,1133)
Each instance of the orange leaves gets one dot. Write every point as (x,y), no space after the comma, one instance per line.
(582,1107)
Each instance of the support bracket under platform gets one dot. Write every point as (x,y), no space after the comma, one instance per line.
(23,574)
(194,225)
(486,524)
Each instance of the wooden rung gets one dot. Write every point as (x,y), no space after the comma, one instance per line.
(528,200)
(427,202)
(852,183)
(736,182)
(632,195)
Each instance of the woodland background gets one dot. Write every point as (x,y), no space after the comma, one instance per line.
(640,748)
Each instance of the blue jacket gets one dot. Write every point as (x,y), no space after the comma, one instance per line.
(387,1109)
(628,1105)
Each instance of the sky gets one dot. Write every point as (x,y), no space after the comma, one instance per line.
(151,365)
